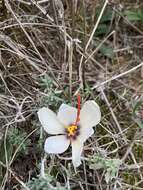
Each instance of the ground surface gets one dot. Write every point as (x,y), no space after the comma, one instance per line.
(49,51)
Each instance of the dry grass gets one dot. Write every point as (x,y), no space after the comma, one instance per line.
(49,51)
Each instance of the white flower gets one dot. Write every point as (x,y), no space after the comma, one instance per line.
(70,126)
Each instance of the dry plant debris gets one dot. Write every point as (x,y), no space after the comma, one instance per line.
(50,50)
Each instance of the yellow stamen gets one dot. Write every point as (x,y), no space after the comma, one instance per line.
(71,130)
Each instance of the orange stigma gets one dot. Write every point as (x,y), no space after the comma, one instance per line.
(78,109)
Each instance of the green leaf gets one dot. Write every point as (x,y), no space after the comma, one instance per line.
(106,50)
(111,166)
(107,15)
(137,113)
(102,29)
(134,15)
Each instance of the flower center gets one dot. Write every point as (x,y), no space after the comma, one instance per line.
(72,131)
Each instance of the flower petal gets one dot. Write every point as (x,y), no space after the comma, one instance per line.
(77,147)
(85,133)
(50,122)
(90,114)
(67,114)
(56,144)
